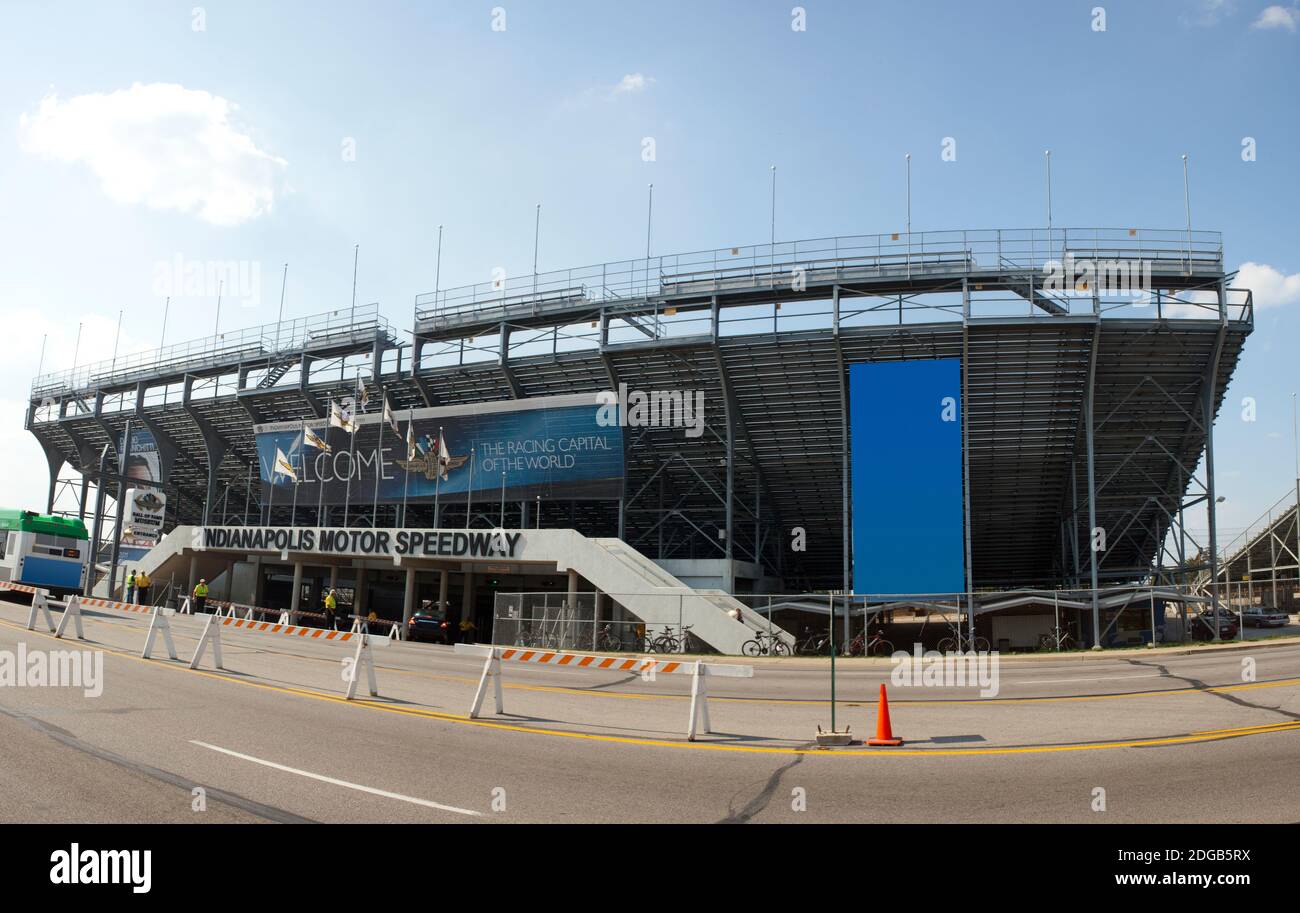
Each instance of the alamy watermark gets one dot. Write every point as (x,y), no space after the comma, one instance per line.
(932,669)
(652,409)
(23,668)
(1119,278)
(236,281)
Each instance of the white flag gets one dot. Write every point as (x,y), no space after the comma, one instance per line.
(363,395)
(390,418)
(412,448)
(312,439)
(283,466)
(340,418)
(444,455)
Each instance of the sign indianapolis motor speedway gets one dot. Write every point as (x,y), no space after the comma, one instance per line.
(414,543)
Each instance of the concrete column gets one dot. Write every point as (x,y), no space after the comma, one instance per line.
(295,597)
(359,593)
(444,582)
(408,599)
(259,581)
(194,574)
(573,590)
(466,602)
(334,577)
(230,580)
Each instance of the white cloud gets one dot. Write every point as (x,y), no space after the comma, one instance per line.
(1271,287)
(1278,17)
(1209,12)
(633,82)
(160,145)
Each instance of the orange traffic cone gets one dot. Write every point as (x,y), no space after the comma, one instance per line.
(884,734)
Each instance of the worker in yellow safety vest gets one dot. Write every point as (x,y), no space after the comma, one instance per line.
(331,604)
(200,595)
(142,584)
(130,586)
(467,629)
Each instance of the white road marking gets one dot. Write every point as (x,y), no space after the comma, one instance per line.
(344,783)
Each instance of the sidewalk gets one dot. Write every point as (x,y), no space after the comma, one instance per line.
(822,662)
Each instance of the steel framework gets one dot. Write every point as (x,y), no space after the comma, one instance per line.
(1084,409)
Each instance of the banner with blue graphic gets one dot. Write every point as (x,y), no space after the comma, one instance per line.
(552,447)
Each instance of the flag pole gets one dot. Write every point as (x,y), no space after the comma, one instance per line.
(320,482)
(379,461)
(352,456)
(437,482)
(469,491)
(406,480)
(302,456)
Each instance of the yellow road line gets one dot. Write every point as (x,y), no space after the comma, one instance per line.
(798,702)
(1190,738)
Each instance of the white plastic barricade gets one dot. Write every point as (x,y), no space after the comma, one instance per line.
(158,625)
(41,604)
(699,671)
(363,657)
(211,636)
(71,612)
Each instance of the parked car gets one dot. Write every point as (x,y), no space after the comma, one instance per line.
(1262,616)
(428,626)
(1203,626)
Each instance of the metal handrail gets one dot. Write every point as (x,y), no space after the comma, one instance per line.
(972,250)
(260,342)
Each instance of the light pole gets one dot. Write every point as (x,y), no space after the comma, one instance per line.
(1187,207)
(1047,154)
(1295,440)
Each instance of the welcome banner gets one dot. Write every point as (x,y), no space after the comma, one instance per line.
(553,447)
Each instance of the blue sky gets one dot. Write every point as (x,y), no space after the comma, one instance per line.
(458,124)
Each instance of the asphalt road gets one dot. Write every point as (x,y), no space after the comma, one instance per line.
(1168,736)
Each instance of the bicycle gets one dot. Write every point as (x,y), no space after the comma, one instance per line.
(668,642)
(877,646)
(963,643)
(765,644)
(1058,639)
(815,645)
(608,640)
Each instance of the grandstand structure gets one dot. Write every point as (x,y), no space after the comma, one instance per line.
(1083,409)
(1259,565)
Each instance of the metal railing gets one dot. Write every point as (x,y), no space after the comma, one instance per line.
(1129,615)
(344,325)
(821,259)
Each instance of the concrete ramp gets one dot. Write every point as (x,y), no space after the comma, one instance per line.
(612,566)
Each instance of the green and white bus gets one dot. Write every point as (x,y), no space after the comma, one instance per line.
(43,551)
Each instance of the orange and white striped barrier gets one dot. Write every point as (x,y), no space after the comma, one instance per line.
(646,668)
(19,587)
(114,604)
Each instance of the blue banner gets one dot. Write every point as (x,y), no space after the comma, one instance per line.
(906,445)
(554,448)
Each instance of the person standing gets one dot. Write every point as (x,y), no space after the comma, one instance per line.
(130,586)
(467,629)
(200,596)
(142,585)
(331,606)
